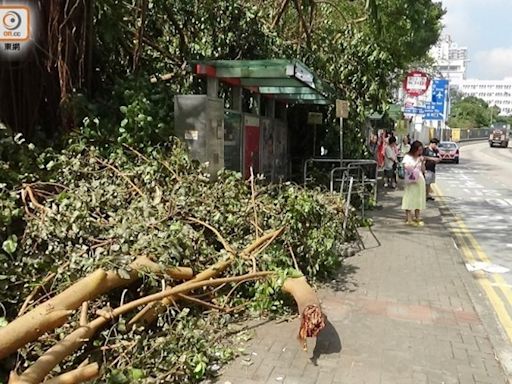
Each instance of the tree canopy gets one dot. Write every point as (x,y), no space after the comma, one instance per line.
(473,112)
(104,53)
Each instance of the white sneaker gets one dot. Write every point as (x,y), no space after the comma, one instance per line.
(385,185)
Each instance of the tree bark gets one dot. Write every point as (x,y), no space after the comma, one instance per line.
(50,314)
(312,320)
(78,375)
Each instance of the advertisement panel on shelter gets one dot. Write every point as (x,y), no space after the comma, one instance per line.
(251,145)
(267,149)
(232,141)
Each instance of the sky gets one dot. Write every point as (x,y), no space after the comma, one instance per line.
(485,27)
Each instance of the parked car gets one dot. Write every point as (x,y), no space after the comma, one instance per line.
(449,151)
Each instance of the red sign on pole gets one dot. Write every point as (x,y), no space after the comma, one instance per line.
(416,83)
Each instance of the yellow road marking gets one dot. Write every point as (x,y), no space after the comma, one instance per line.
(472,251)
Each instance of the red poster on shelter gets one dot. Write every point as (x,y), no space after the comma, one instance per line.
(251,150)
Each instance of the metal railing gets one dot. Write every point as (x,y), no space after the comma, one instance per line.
(311,161)
(365,172)
(361,174)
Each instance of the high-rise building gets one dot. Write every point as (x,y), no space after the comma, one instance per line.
(451,62)
(450,59)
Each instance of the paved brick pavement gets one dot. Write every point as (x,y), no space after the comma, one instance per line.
(399,313)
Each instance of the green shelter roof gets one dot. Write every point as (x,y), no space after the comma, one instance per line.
(285,80)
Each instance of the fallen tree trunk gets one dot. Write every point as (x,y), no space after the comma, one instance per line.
(49,315)
(36,373)
(312,320)
(54,312)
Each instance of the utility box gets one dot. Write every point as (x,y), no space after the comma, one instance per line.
(199,122)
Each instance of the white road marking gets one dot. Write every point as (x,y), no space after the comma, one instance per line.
(497,203)
(486,226)
(476,192)
(491,192)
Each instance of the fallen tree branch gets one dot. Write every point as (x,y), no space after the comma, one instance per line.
(52,357)
(78,375)
(151,312)
(202,302)
(137,152)
(223,241)
(49,315)
(253,201)
(293,257)
(117,171)
(145,264)
(83,313)
(34,292)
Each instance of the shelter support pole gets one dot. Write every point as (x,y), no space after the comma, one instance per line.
(212,87)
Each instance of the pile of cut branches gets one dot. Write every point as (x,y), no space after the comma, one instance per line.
(136,259)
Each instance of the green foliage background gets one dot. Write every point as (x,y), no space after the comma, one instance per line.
(361,48)
(473,112)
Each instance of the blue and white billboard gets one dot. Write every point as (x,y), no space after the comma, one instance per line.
(435,108)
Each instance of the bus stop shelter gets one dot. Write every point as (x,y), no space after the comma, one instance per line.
(241,121)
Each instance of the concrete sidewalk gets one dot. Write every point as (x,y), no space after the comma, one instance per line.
(399,313)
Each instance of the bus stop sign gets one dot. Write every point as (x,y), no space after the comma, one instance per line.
(416,83)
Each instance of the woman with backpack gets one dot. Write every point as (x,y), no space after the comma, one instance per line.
(414,199)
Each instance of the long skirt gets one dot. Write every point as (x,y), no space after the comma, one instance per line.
(415,195)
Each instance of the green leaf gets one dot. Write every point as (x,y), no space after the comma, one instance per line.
(50,165)
(137,374)
(123,274)
(10,245)
(118,377)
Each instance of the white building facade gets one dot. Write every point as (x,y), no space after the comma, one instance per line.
(494,92)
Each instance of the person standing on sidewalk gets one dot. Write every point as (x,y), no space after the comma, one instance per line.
(390,163)
(431,155)
(415,191)
(405,147)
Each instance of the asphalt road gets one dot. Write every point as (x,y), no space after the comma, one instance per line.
(478,191)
